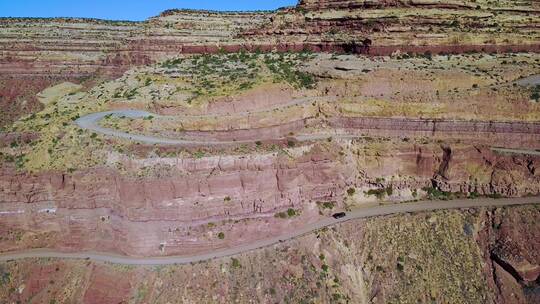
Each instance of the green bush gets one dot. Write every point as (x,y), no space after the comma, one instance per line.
(291,212)
(474,195)
(235,263)
(5,278)
(326,205)
(434,193)
(389,190)
(130,94)
(381,193)
(535,95)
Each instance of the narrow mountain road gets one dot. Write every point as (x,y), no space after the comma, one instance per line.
(517,151)
(356,214)
(91,122)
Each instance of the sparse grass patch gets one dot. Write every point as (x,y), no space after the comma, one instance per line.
(288,214)
(381,192)
(326,205)
(199,154)
(228,73)
(414,261)
(61,144)
(281,215)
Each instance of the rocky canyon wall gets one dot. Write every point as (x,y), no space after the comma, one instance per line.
(181,206)
(38,51)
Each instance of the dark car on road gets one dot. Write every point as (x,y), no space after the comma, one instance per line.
(339,215)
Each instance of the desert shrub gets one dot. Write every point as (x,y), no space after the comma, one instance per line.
(281,215)
(130,94)
(291,212)
(326,205)
(389,190)
(495,195)
(379,193)
(5,278)
(535,95)
(434,193)
(235,263)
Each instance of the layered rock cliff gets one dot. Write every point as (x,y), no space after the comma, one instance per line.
(181,205)
(303,136)
(35,51)
(446,256)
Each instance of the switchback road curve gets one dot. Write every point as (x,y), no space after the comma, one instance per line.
(431,126)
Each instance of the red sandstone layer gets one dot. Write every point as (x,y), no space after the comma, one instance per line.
(181,211)
(81,48)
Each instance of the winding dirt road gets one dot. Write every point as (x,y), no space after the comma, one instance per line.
(356,214)
(517,151)
(91,122)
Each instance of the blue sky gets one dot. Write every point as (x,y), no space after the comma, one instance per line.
(125,9)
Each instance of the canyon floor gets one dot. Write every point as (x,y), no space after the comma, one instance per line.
(196,133)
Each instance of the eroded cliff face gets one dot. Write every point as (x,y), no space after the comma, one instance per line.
(178,206)
(522,6)
(46,50)
(323,134)
(509,241)
(366,130)
(184,200)
(441,256)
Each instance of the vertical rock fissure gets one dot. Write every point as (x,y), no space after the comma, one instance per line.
(506,266)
